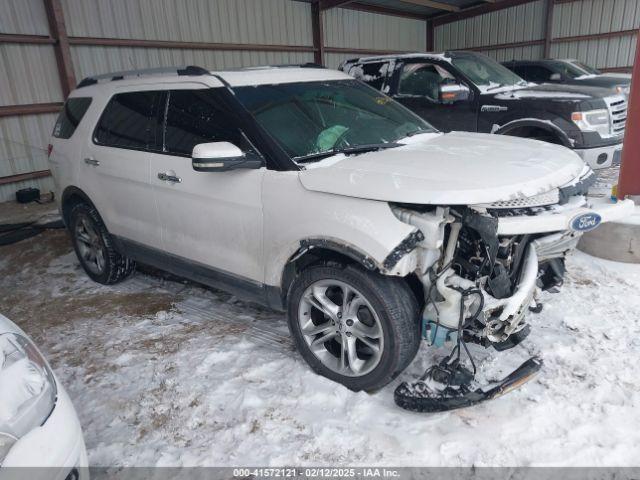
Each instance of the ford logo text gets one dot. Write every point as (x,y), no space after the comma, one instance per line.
(585,222)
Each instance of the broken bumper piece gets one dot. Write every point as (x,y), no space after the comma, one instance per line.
(421,396)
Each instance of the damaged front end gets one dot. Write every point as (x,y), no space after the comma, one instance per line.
(480,283)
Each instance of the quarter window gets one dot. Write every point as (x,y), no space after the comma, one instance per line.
(129,121)
(373,74)
(196,116)
(70,116)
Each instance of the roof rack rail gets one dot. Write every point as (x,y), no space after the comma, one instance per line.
(277,65)
(114,76)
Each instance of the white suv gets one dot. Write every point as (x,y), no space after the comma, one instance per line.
(305,190)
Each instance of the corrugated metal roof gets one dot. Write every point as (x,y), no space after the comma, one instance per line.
(412,8)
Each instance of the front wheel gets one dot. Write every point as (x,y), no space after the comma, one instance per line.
(355,327)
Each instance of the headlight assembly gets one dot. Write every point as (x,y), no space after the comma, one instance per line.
(27,389)
(593,121)
(623,89)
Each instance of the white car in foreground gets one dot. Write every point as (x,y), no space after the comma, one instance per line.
(38,424)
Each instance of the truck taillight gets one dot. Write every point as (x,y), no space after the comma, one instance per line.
(49,150)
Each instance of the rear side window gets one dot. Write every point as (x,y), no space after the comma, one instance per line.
(70,116)
(130,120)
(195,116)
(374,73)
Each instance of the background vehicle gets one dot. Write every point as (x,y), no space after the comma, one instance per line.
(306,190)
(568,72)
(471,92)
(38,424)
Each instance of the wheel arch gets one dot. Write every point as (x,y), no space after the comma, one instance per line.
(314,251)
(72,196)
(525,125)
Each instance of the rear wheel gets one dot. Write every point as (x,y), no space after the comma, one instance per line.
(94,247)
(355,327)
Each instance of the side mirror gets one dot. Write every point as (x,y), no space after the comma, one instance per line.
(222,157)
(556,77)
(453,92)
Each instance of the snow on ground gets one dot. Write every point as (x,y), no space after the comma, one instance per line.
(164,372)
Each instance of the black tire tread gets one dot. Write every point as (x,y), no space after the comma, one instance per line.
(118,267)
(397,302)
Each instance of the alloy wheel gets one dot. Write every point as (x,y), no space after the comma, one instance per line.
(90,245)
(341,328)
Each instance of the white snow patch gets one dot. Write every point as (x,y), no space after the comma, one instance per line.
(217,382)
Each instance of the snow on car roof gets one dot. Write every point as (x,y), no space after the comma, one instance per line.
(272,75)
(441,56)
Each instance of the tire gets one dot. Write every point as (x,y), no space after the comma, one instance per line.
(327,341)
(88,232)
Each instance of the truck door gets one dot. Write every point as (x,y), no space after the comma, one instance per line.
(419,86)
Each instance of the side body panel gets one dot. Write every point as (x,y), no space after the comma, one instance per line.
(293,215)
(212,218)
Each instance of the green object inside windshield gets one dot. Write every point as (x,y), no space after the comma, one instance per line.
(308,118)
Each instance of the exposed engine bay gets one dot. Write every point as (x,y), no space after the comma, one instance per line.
(479,284)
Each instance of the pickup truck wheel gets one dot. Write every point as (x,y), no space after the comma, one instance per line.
(94,247)
(355,327)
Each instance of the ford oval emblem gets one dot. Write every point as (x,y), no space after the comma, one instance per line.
(585,222)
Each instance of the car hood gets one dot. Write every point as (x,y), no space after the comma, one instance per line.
(555,92)
(457,168)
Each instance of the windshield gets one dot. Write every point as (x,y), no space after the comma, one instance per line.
(586,68)
(311,118)
(571,70)
(486,73)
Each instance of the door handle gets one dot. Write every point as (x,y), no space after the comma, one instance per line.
(169,178)
(92,161)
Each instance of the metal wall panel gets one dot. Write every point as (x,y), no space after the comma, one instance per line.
(595,16)
(346,28)
(521,23)
(530,52)
(23,16)
(527,22)
(91,60)
(333,60)
(23,149)
(599,53)
(28,74)
(588,17)
(281,22)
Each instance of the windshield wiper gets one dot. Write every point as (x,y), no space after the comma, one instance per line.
(500,85)
(367,147)
(417,132)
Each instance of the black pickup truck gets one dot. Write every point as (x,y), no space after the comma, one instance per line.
(569,72)
(468,91)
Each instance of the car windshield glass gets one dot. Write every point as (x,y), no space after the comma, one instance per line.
(486,73)
(311,118)
(587,69)
(572,71)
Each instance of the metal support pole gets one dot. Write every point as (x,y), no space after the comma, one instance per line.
(58,32)
(318,32)
(548,29)
(629,181)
